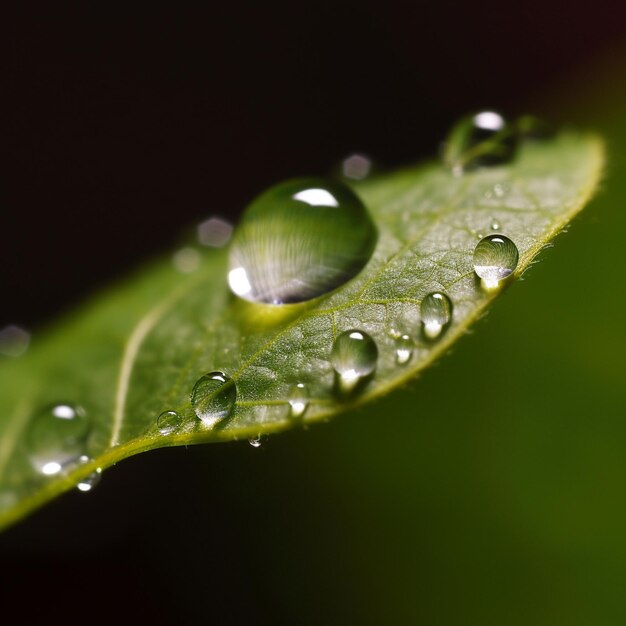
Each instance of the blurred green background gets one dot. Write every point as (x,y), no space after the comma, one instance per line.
(491,491)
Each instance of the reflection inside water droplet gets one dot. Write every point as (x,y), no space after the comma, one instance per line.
(213,397)
(56,438)
(88,483)
(354,357)
(300,240)
(495,258)
(404,349)
(298,403)
(481,139)
(436,312)
(168,422)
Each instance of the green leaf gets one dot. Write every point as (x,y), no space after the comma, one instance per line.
(137,351)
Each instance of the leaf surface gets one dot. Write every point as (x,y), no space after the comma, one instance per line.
(137,350)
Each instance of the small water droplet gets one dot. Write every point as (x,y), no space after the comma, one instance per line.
(404,349)
(214,232)
(168,422)
(186,260)
(436,312)
(89,482)
(255,442)
(298,403)
(356,167)
(495,225)
(57,438)
(300,240)
(354,357)
(495,258)
(14,341)
(213,397)
(481,139)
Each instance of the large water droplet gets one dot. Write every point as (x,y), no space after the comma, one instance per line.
(299,240)
(353,357)
(436,312)
(168,422)
(481,139)
(57,438)
(213,397)
(495,258)
(298,402)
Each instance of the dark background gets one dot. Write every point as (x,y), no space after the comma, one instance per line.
(125,127)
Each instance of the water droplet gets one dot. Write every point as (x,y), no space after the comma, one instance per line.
(186,260)
(299,240)
(168,422)
(255,442)
(353,357)
(404,349)
(213,397)
(356,167)
(481,139)
(14,341)
(436,312)
(88,483)
(495,225)
(214,232)
(298,403)
(57,438)
(495,258)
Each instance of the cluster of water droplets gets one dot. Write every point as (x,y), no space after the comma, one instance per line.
(298,241)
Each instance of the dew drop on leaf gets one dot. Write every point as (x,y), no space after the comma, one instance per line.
(480,139)
(298,402)
(300,240)
(168,422)
(436,312)
(88,483)
(57,438)
(213,397)
(495,258)
(404,349)
(354,357)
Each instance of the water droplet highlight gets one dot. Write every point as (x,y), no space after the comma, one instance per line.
(404,349)
(495,258)
(14,341)
(495,225)
(436,312)
(300,240)
(88,483)
(481,139)
(168,422)
(356,167)
(255,442)
(57,438)
(354,357)
(298,403)
(213,397)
